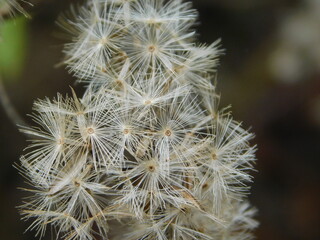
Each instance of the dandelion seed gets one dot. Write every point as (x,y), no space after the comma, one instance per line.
(97,43)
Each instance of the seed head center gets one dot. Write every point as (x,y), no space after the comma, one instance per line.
(168,133)
(119,83)
(76,183)
(151,168)
(151,20)
(60,141)
(204,186)
(126,131)
(104,41)
(214,156)
(152,48)
(90,131)
(147,102)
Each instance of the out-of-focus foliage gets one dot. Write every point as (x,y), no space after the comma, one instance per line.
(13,46)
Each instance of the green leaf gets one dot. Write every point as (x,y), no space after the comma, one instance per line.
(13,46)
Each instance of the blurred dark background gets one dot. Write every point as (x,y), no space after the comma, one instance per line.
(270,74)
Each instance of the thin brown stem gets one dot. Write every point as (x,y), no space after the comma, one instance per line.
(7,105)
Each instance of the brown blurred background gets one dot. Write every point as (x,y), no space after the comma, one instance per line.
(270,75)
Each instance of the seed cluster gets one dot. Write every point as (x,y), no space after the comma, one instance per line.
(144,153)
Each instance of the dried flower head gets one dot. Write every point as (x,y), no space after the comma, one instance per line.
(146,144)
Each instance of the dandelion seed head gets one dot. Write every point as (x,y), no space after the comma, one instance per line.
(146,144)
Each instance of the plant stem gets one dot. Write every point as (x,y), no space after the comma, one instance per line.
(7,105)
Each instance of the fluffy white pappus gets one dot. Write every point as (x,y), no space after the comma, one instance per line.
(239,222)
(100,37)
(199,67)
(153,91)
(225,162)
(10,7)
(148,183)
(151,48)
(73,195)
(95,116)
(67,127)
(176,124)
(115,77)
(196,221)
(105,30)
(189,221)
(210,102)
(51,140)
(124,133)
(161,13)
